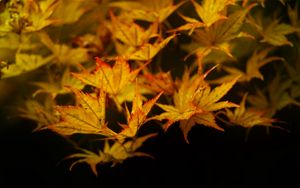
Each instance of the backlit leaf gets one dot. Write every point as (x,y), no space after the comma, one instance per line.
(88,117)
(254,63)
(40,112)
(151,11)
(148,51)
(69,11)
(63,53)
(138,115)
(116,153)
(130,33)
(112,79)
(210,11)
(248,117)
(194,103)
(219,35)
(278,94)
(159,82)
(273,32)
(56,86)
(25,63)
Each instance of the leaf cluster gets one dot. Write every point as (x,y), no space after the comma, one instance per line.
(87,61)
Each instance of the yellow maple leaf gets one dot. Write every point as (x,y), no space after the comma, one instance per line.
(88,117)
(263,2)
(75,10)
(63,53)
(39,13)
(151,11)
(279,93)
(204,118)
(40,112)
(112,79)
(219,35)
(191,24)
(161,81)
(147,51)
(130,33)
(248,117)
(208,98)
(56,84)
(210,11)
(194,102)
(138,115)
(116,153)
(183,107)
(273,32)
(293,14)
(254,63)
(132,41)
(24,63)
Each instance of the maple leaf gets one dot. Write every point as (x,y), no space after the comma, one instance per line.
(194,102)
(87,118)
(148,51)
(132,41)
(25,63)
(294,79)
(55,86)
(219,35)
(258,60)
(63,53)
(254,63)
(294,16)
(263,2)
(28,16)
(183,101)
(279,93)
(210,11)
(138,115)
(161,81)
(40,112)
(131,34)
(273,32)
(248,118)
(208,98)
(113,80)
(151,11)
(191,24)
(116,153)
(39,13)
(75,9)
(12,39)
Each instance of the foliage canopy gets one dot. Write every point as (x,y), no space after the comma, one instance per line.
(117,57)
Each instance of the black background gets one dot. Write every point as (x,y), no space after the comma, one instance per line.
(212,159)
